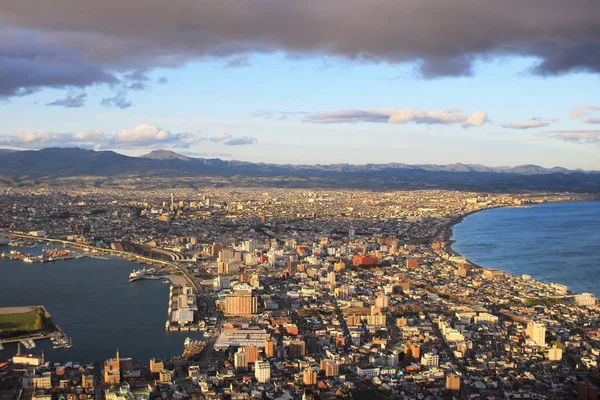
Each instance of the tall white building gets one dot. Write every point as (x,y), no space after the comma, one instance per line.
(537,332)
(250,246)
(331,277)
(240,360)
(382,301)
(221,282)
(262,371)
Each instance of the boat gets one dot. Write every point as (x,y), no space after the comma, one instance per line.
(69,344)
(141,273)
(166,282)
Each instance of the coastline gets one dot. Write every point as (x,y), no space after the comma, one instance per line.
(448,231)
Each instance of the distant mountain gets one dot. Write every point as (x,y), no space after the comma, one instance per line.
(6,151)
(165,155)
(58,162)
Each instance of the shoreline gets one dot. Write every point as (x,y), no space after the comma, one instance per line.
(448,231)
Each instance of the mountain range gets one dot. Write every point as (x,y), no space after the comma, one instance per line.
(53,163)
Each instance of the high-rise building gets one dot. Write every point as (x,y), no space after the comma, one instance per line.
(240,360)
(250,246)
(215,249)
(241,302)
(252,352)
(412,351)
(221,282)
(331,278)
(382,301)
(262,371)
(156,366)
(537,332)
(330,367)
(226,255)
(309,377)
(297,349)
(453,382)
(270,348)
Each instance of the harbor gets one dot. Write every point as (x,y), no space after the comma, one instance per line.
(47,256)
(90,322)
(48,331)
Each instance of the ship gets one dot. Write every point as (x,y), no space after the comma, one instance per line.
(140,274)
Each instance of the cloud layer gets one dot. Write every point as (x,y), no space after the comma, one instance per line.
(79,43)
(401,116)
(40,140)
(528,124)
(142,136)
(589,136)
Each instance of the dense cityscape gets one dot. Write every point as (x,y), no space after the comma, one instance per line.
(307,293)
(299,200)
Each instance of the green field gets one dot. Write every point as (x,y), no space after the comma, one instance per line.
(20,323)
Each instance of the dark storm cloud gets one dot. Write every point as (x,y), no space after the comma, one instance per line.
(238,62)
(84,40)
(28,64)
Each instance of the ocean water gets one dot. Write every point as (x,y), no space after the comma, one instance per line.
(94,303)
(557,242)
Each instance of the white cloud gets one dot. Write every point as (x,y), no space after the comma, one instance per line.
(401,116)
(529,124)
(583,111)
(476,119)
(142,136)
(221,137)
(41,139)
(149,136)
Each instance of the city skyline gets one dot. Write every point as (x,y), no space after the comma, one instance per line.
(248,89)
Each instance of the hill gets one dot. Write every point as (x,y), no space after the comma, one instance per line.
(70,162)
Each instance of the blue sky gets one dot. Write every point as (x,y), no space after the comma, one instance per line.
(303,107)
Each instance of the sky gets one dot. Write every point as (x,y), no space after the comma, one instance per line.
(500,83)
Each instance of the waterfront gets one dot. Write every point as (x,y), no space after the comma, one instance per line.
(551,242)
(94,303)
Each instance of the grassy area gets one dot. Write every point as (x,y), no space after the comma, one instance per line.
(17,324)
